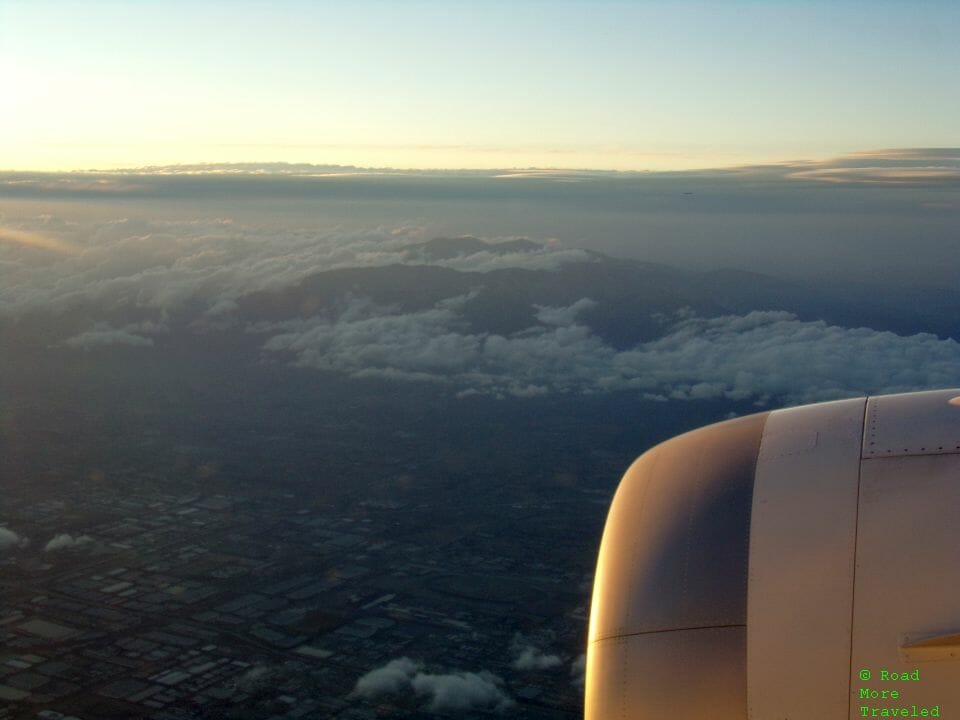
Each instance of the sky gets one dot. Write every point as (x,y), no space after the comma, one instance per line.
(605,85)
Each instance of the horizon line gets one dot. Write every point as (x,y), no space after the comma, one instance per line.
(267,167)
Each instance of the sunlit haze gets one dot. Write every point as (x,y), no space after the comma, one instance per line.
(618,85)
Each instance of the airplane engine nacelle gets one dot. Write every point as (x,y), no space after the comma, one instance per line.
(800,564)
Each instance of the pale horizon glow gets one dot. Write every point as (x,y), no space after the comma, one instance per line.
(111,157)
(485,85)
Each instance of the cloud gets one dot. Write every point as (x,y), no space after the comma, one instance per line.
(387,680)
(758,356)
(544,259)
(431,345)
(371,338)
(36,240)
(160,267)
(578,670)
(66,541)
(563,316)
(531,658)
(220,316)
(882,175)
(457,691)
(144,179)
(528,656)
(9,539)
(931,168)
(132,279)
(764,355)
(103,334)
(919,166)
(461,691)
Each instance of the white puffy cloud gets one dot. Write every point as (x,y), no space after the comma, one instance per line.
(563,316)
(527,654)
(65,541)
(443,692)
(389,679)
(532,658)
(461,691)
(764,355)
(368,338)
(760,356)
(9,539)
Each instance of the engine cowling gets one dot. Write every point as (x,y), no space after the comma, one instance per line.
(791,564)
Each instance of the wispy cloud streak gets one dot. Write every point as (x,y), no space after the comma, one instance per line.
(37,241)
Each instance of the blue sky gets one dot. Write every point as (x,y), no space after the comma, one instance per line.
(630,85)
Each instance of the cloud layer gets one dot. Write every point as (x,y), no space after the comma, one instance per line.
(760,355)
(166,266)
(135,282)
(922,166)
